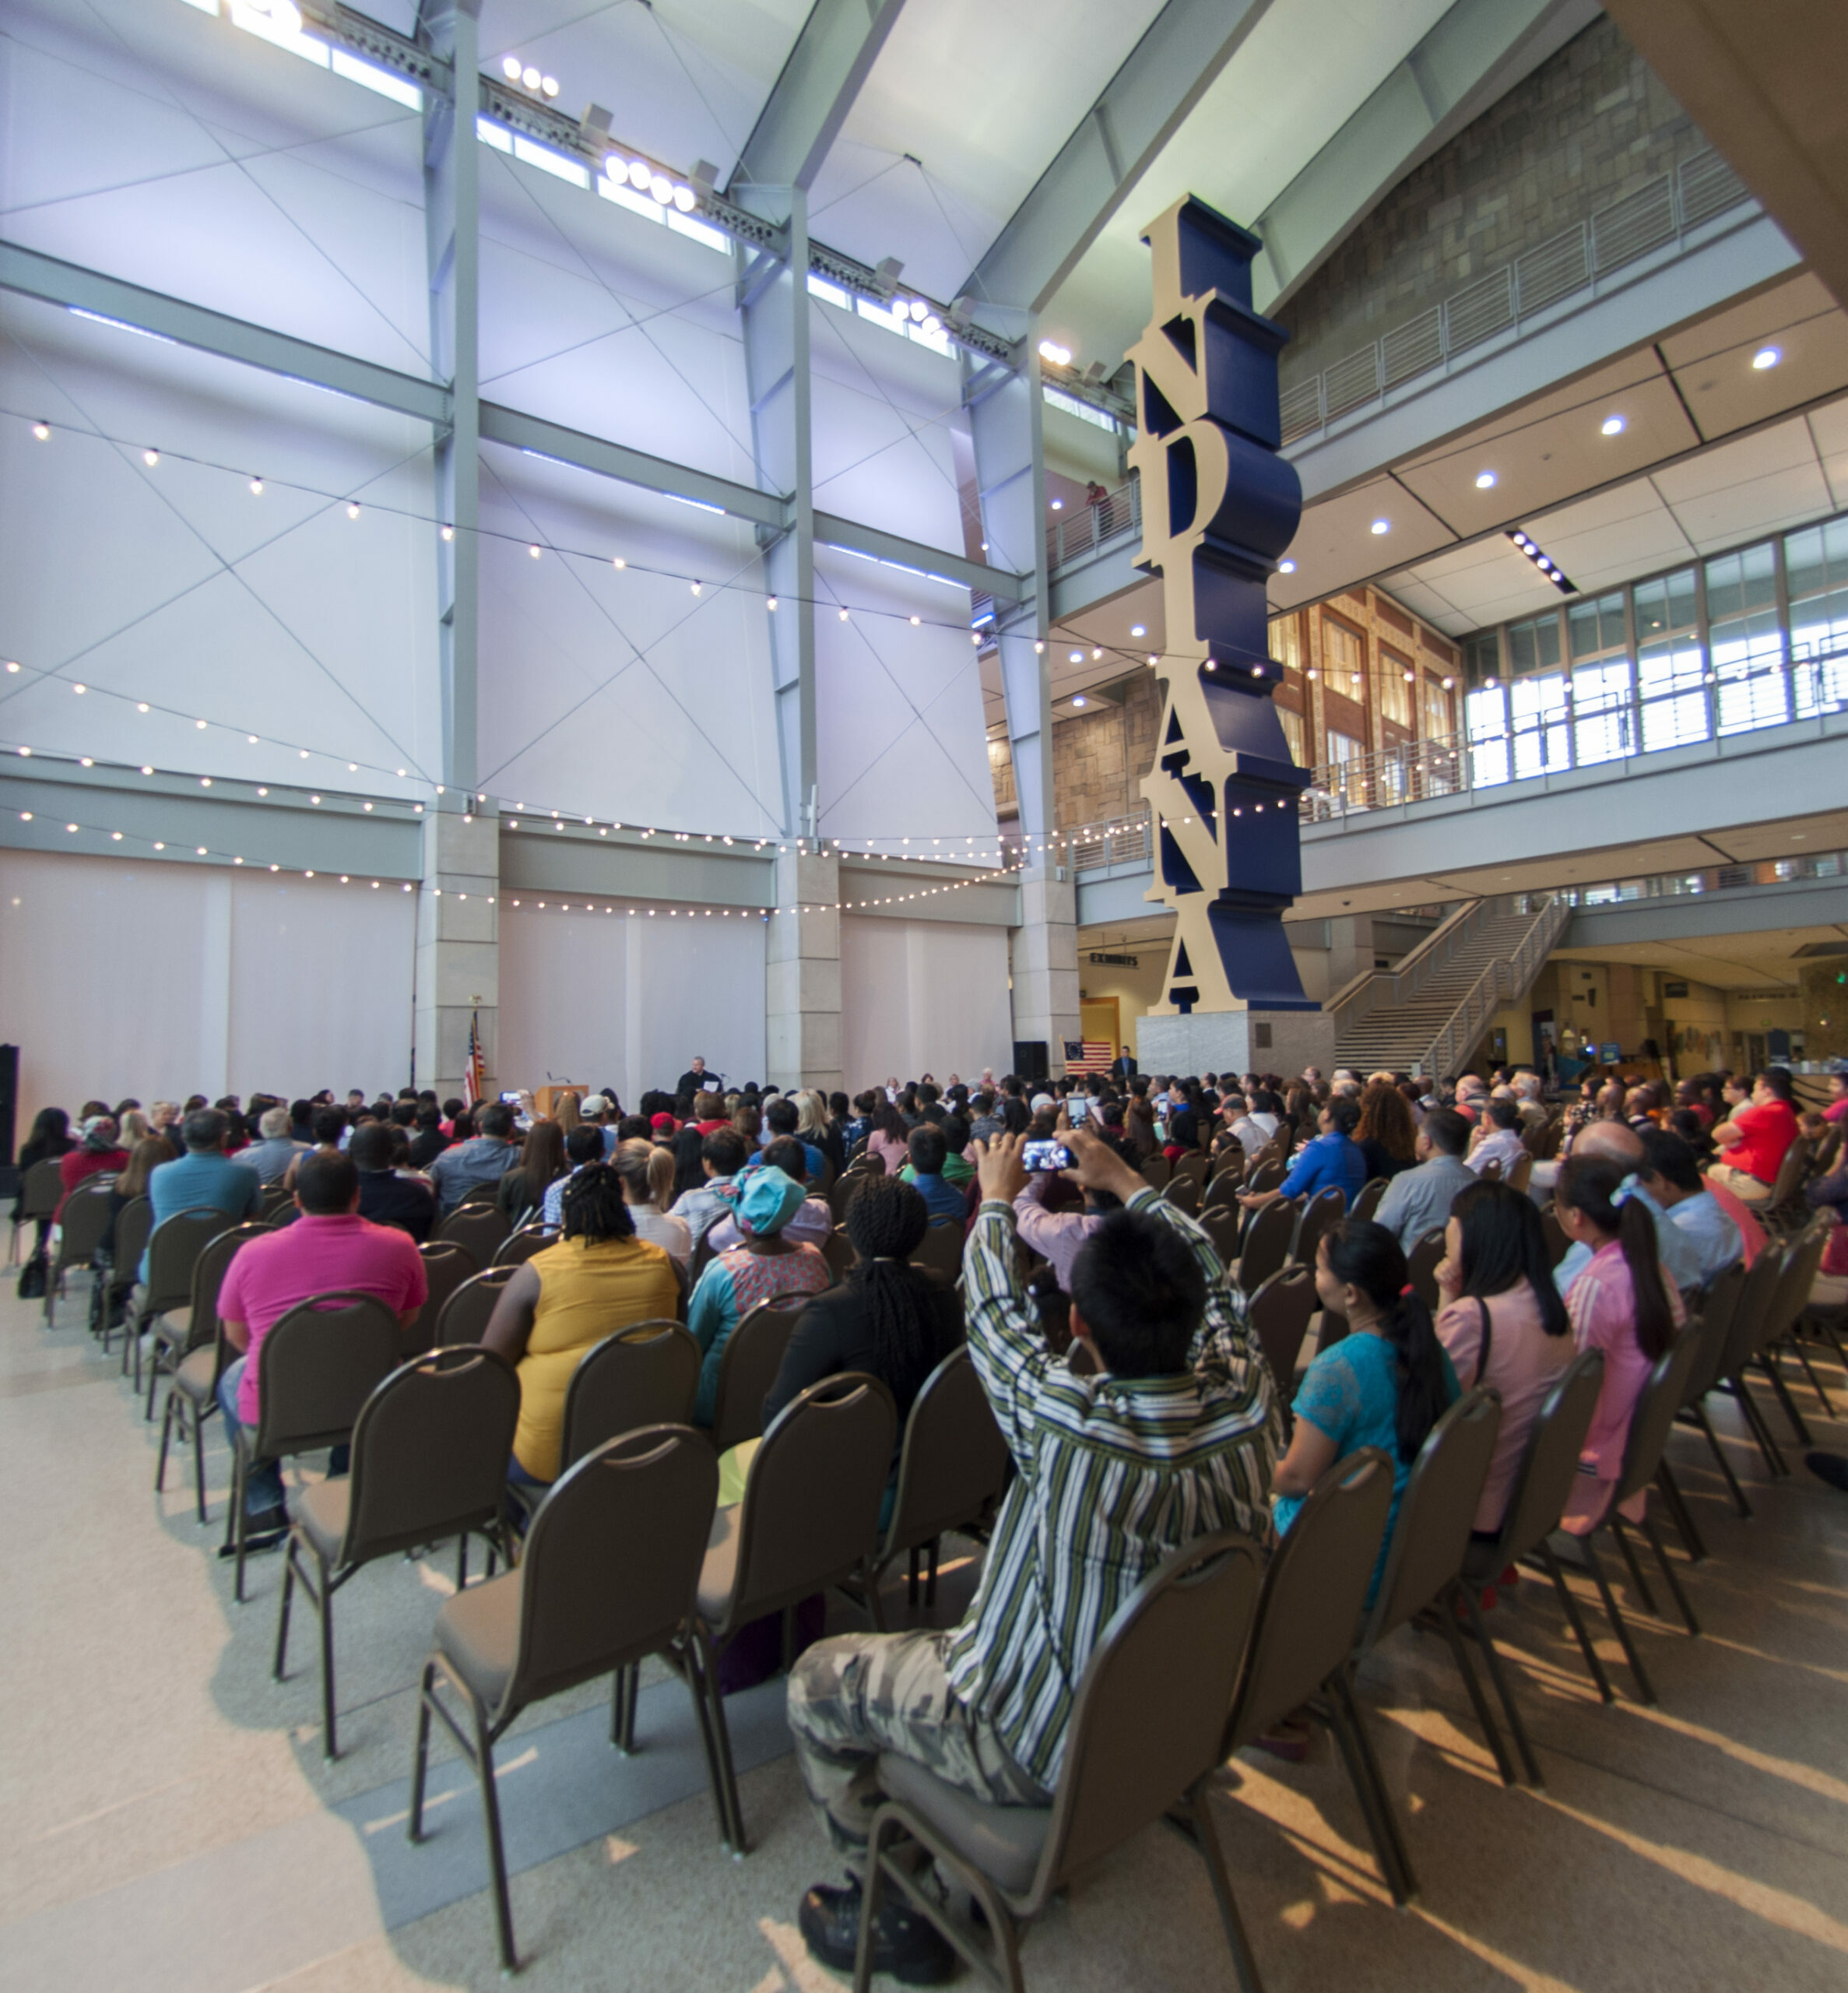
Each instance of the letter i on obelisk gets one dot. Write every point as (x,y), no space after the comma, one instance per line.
(1219,505)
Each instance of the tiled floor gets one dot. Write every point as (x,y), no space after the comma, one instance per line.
(169,1823)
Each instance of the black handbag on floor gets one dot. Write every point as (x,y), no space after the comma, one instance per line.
(32,1277)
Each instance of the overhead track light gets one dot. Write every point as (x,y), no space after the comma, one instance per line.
(1546,565)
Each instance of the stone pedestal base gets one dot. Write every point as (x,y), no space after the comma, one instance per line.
(1235,1042)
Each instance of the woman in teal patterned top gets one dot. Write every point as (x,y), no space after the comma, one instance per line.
(1384,1384)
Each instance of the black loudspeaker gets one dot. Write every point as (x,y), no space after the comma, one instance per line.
(1030,1058)
(10,1097)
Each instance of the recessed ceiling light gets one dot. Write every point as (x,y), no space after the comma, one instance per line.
(1381,525)
(1286,567)
(1075,657)
(1485,480)
(1613,425)
(1079,700)
(1766,357)
(1137,629)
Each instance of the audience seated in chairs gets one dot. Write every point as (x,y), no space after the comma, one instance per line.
(583,1146)
(97,1150)
(810,1226)
(766,1266)
(1623,1303)
(929,1152)
(1755,1137)
(1498,1137)
(204,1177)
(387,1198)
(1678,1249)
(483,1158)
(1668,1172)
(1332,1160)
(599,1276)
(1503,1323)
(1386,1133)
(646,1170)
(330,1249)
(1178,1422)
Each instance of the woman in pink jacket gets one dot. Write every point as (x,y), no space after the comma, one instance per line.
(1622,1303)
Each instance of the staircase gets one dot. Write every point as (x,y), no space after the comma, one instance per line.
(1429,1013)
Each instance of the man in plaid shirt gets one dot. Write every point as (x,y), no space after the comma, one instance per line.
(1172,1439)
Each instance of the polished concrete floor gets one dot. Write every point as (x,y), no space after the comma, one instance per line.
(169,1822)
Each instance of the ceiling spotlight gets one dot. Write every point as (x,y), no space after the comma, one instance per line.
(549,85)
(1078,700)
(1286,567)
(531,77)
(1550,569)
(1075,657)
(1054,354)
(1613,425)
(1766,357)
(661,188)
(1485,480)
(1380,526)
(509,68)
(685,199)
(1058,504)
(641,173)
(1137,629)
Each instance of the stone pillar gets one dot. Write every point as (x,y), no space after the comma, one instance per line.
(801,974)
(459,956)
(1044,958)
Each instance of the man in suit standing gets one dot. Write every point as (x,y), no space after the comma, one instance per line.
(1123,1065)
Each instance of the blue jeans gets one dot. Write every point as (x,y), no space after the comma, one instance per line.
(263,1485)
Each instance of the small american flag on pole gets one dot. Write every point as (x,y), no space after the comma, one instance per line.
(1094,1056)
(476,1072)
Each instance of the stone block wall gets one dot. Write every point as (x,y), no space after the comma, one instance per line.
(1586,127)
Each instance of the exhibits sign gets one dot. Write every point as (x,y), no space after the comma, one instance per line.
(1219,505)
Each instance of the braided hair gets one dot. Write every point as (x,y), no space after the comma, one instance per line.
(886,1219)
(593,1208)
(1362,1254)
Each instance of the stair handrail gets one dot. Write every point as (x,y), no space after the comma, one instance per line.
(1502,981)
(1361,998)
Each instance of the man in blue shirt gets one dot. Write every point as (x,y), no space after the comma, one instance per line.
(929,1152)
(1672,1181)
(780,1118)
(1681,1253)
(204,1175)
(1333,1159)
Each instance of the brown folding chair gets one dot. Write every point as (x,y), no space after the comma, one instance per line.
(952,1473)
(429,1452)
(518,1247)
(1325,1209)
(1195,1165)
(748,1369)
(1543,1484)
(80,1232)
(1421,1265)
(1144,1733)
(276,1201)
(1424,1565)
(939,1252)
(447,1265)
(133,1225)
(1713,1326)
(1266,1245)
(838,1251)
(1279,1313)
(1183,1190)
(1265,1175)
(1790,1298)
(1367,1202)
(1157,1170)
(645,1375)
(1752,1322)
(1558,1244)
(199,1361)
(464,1317)
(809,1518)
(40,1189)
(181,1331)
(841,1192)
(1222,1224)
(1522,1174)
(315,1369)
(174,1247)
(1223,1191)
(1303,1633)
(480,1227)
(608,1578)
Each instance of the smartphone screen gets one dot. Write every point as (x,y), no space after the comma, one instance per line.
(1078,1109)
(509,1100)
(1046,1155)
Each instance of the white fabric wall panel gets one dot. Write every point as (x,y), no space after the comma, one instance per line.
(198,161)
(156,980)
(902,748)
(620,694)
(173,585)
(626,1001)
(922,996)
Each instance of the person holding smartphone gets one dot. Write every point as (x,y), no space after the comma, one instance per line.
(1056,1236)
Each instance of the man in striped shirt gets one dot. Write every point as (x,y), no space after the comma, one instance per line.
(1172,1439)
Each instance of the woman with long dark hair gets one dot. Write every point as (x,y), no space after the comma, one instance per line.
(1503,1322)
(886,1317)
(890,1138)
(541,1163)
(1622,1303)
(689,1151)
(1386,1383)
(1387,1135)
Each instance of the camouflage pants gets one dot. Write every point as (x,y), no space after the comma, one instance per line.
(853,1697)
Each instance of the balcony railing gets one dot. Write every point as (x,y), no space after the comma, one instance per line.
(1662,211)
(1083,530)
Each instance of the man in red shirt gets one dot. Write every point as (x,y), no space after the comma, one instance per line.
(328,1249)
(1756,1138)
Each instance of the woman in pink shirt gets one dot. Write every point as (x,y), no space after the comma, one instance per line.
(1622,1303)
(1503,1322)
(890,1139)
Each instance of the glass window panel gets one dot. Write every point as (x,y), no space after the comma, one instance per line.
(1746,642)
(1596,626)
(1482,656)
(1395,689)
(1293,733)
(1671,680)
(1344,654)
(1534,646)
(1286,641)
(1816,572)
(1601,711)
(1434,704)
(1666,605)
(1486,719)
(1540,737)
(1348,758)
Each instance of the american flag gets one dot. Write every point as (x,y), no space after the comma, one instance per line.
(475,1072)
(1095,1054)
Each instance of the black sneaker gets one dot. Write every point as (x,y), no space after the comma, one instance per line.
(263,1531)
(912,1950)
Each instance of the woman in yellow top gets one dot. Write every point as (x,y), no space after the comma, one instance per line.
(564,1302)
